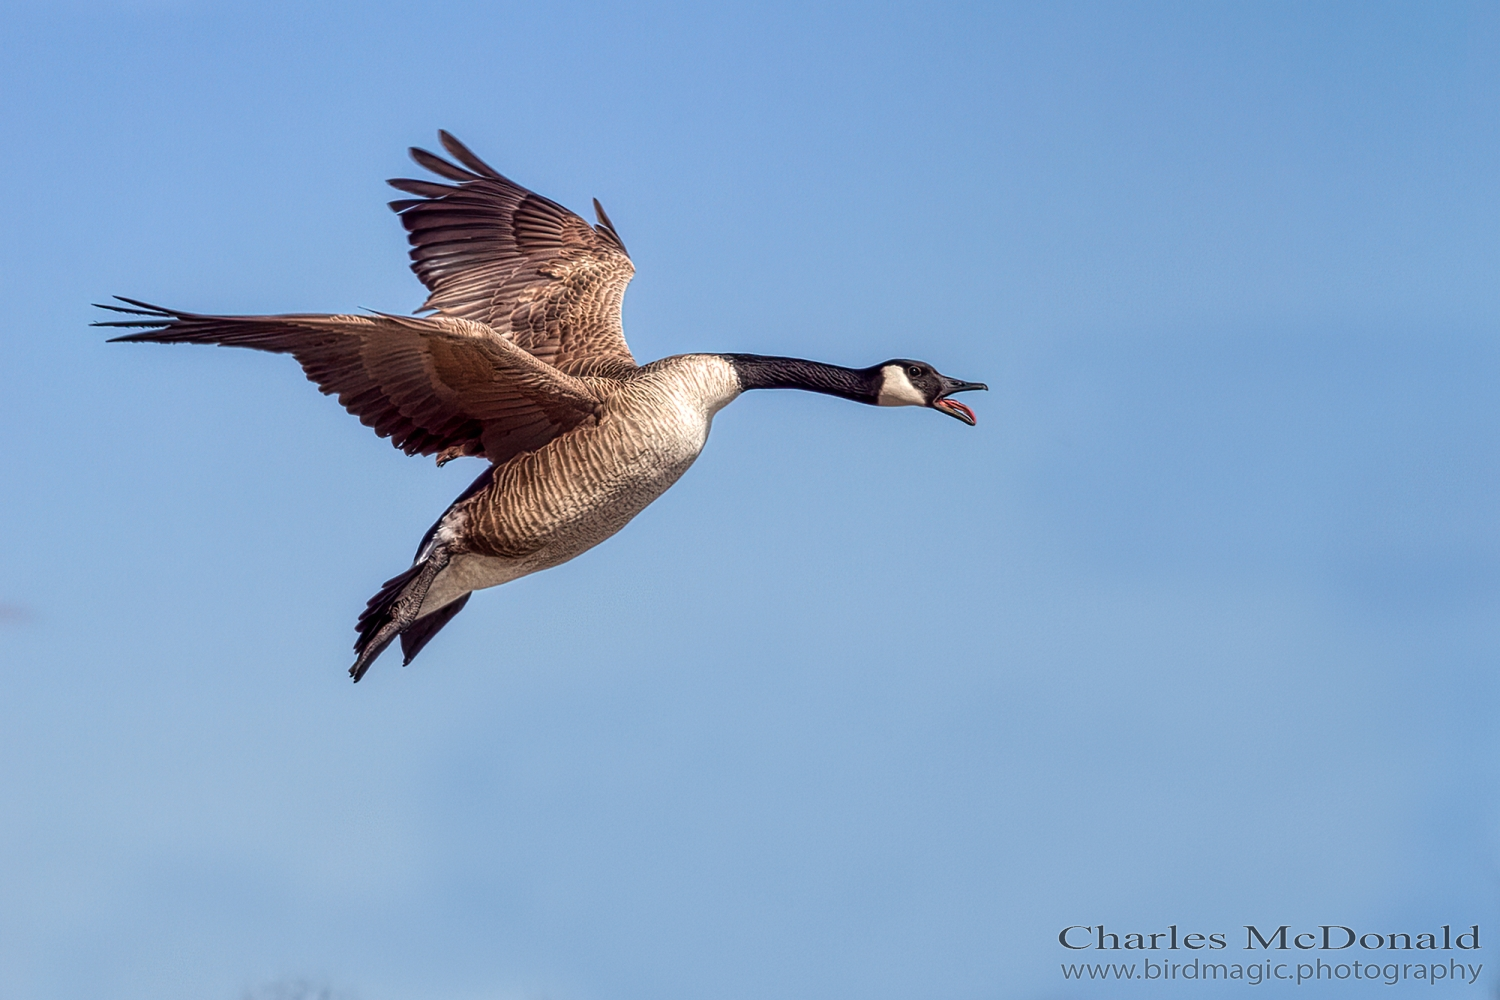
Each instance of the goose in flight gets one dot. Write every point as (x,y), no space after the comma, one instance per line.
(521,361)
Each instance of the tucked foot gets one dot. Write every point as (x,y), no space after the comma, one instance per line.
(394,609)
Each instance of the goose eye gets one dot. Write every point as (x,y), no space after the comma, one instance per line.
(914,371)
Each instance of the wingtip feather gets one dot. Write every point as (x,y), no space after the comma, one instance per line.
(156,318)
(440,166)
(607,227)
(602,216)
(464,155)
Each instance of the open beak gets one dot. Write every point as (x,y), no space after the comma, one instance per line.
(953,407)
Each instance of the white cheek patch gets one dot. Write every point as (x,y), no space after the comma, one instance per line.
(896,389)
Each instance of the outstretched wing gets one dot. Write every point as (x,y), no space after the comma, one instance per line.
(491,251)
(431,385)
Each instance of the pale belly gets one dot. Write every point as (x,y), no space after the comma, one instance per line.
(580,515)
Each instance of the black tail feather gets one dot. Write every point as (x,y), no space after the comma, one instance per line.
(393,610)
(421,631)
(378,610)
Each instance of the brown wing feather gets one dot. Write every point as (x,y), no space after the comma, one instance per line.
(491,251)
(431,385)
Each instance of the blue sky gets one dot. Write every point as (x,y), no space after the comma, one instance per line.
(1196,627)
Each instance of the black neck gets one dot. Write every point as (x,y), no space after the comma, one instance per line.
(756,371)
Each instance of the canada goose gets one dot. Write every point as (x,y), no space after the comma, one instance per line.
(524,364)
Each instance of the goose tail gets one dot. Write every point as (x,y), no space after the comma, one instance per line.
(393,612)
(421,631)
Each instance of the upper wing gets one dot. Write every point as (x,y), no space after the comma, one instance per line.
(429,384)
(489,250)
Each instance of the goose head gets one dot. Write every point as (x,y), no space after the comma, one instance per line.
(904,382)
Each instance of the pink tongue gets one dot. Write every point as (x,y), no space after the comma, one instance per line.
(953,404)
